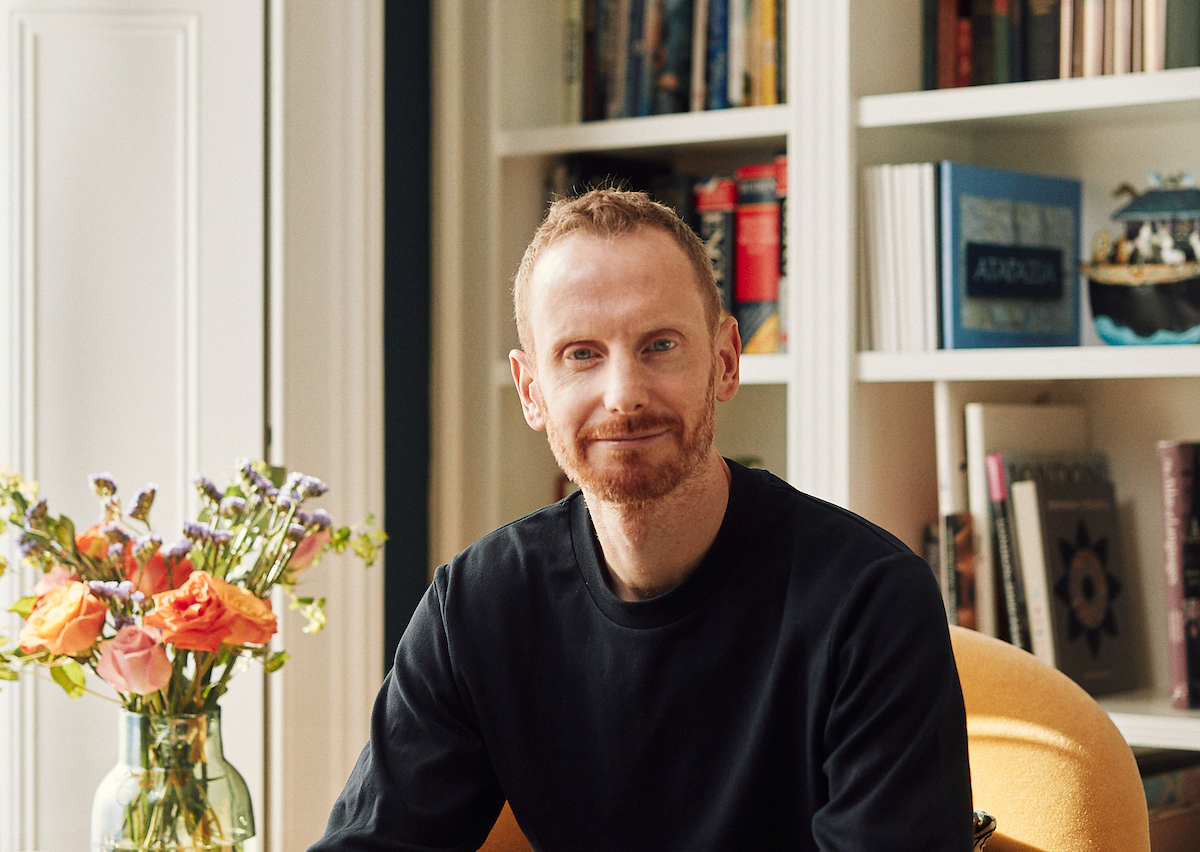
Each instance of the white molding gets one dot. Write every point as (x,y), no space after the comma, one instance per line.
(326,383)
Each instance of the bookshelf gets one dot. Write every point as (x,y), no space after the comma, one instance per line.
(862,429)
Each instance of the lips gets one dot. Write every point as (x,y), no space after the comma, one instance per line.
(630,428)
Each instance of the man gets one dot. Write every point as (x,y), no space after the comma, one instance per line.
(688,655)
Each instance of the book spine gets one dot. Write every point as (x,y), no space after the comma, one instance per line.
(1182,45)
(756,284)
(635,67)
(1179,464)
(947,41)
(983,43)
(716,207)
(591,48)
(962,51)
(1027,522)
(768,51)
(698,93)
(672,58)
(718,54)
(1001,41)
(1004,553)
(1042,39)
(1066,39)
(781,192)
(781,41)
(929,43)
(572,61)
(1016,41)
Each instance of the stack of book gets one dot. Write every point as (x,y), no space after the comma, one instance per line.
(976,42)
(962,256)
(626,58)
(741,216)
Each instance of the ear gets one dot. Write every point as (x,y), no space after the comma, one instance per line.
(728,354)
(526,381)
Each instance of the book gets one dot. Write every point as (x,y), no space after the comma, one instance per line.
(1060,466)
(572,61)
(1008,428)
(781,191)
(1004,552)
(1181,47)
(1179,466)
(984,54)
(756,282)
(1069,537)
(698,90)
(1009,255)
(1040,22)
(593,91)
(716,207)
(717,75)
(956,565)
(670,56)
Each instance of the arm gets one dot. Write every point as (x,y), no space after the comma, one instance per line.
(424,779)
(895,736)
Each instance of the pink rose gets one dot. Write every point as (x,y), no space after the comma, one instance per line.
(134,661)
(308,550)
(52,579)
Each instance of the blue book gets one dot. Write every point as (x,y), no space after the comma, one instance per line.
(1009,256)
(718,54)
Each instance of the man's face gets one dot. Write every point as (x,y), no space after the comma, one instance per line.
(625,369)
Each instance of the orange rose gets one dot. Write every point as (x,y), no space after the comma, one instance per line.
(66,620)
(207,611)
(92,543)
(154,576)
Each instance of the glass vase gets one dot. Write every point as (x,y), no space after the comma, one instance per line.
(171,789)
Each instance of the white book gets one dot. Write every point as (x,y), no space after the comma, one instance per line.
(572,61)
(1066,26)
(930,285)
(1031,555)
(914,254)
(903,256)
(888,316)
(739,11)
(1008,428)
(1154,34)
(1093,38)
(699,91)
(1122,28)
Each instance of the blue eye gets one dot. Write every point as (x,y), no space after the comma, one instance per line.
(662,345)
(580,354)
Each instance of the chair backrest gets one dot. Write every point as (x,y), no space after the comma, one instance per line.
(1046,760)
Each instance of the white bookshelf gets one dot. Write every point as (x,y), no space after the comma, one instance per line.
(858,428)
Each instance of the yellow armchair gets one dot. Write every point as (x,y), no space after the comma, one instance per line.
(1046,760)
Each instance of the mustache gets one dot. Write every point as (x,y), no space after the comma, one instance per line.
(624,425)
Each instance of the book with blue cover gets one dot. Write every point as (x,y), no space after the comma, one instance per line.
(1009,255)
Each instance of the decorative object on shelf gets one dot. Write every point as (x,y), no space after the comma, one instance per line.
(167,627)
(1145,285)
(1009,249)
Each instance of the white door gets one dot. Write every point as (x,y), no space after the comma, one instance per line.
(131,315)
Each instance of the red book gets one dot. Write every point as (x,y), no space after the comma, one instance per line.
(756,286)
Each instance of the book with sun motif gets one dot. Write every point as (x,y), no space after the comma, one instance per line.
(1070,549)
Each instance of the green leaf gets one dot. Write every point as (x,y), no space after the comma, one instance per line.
(23,606)
(64,532)
(275,662)
(277,475)
(70,677)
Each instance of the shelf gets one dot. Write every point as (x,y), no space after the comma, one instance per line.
(1146,718)
(1111,99)
(1065,362)
(718,128)
(755,370)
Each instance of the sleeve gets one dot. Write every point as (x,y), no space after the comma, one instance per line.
(424,780)
(895,742)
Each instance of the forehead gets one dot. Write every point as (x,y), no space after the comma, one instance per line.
(585,273)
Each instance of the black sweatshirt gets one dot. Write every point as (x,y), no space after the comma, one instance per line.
(797,691)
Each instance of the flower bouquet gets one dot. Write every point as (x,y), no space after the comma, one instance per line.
(167,627)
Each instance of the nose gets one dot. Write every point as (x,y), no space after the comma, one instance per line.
(626,390)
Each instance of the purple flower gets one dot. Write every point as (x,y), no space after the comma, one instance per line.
(303,517)
(35,515)
(146,546)
(115,533)
(178,550)
(111,589)
(207,489)
(221,537)
(257,481)
(30,546)
(296,533)
(310,486)
(322,519)
(197,531)
(115,551)
(232,506)
(103,484)
(142,503)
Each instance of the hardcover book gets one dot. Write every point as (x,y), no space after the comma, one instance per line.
(1068,534)
(1179,463)
(716,205)
(1010,250)
(756,284)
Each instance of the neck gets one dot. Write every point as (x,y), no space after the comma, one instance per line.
(650,548)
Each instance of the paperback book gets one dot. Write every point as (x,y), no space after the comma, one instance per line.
(1068,539)
(1179,463)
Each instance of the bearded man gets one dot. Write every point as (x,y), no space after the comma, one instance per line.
(686,654)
